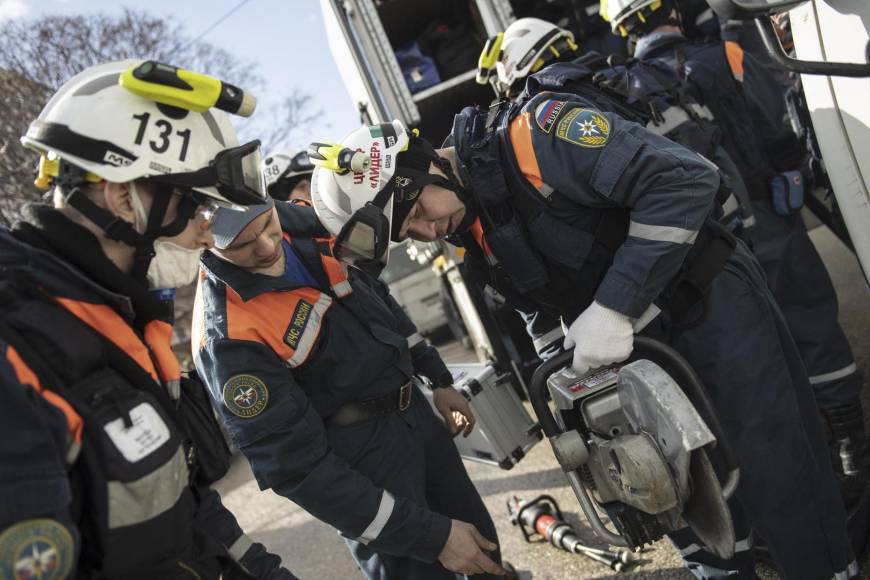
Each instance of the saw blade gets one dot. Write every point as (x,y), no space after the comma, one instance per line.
(706,511)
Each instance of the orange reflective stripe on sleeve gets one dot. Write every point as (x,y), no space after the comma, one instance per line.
(734,53)
(109,323)
(26,376)
(521,141)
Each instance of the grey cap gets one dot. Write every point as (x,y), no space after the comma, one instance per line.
(229,223)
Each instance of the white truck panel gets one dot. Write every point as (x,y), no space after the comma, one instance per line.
(837,31)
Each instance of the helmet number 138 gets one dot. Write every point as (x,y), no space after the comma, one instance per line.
(161,144)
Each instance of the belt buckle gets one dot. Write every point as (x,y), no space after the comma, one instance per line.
(405,396)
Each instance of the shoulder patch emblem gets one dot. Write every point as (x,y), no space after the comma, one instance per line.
(298,323)
(245,396)
(40,548)
(584,127)
(547,112)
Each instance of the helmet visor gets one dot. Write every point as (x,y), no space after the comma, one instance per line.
(364,240)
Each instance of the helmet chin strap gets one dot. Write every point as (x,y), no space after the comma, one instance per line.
(72,183)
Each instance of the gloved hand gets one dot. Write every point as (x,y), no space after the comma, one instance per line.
(599,336)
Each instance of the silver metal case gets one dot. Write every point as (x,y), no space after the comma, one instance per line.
(504,431)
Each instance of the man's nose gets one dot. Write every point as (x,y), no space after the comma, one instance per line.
(265,246)
(204,236)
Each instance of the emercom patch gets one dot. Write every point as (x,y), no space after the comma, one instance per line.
(298,323)
(245,396)
(41,548)
(547,112)
(584,127)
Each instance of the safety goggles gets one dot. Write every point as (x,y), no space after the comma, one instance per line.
(364,240)
(234,172)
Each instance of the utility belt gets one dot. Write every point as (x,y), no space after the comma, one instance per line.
(708,256)
(359,411)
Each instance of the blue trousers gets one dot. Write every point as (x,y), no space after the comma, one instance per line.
(737,340)
(412,455)
(803,290)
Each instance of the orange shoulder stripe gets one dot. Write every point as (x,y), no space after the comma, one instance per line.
(109,323)
(26,376)
(521,141)
(267,317)
(734,53)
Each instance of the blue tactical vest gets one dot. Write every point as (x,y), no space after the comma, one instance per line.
(548,255)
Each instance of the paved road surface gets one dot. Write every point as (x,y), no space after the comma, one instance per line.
(313,550)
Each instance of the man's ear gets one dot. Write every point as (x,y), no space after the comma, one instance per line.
(119,201)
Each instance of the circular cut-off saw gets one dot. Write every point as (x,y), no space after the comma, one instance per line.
(639,441)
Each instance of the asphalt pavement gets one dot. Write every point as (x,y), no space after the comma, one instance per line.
(314,550)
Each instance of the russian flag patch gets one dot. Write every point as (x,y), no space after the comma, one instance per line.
(547,112)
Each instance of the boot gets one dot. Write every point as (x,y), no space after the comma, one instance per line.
(850,456)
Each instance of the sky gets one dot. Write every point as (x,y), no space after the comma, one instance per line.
(284,38)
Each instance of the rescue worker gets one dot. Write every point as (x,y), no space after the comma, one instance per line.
(288,177)
(310,365)
(577,213)
(748,104)
(660,100)
(100,476)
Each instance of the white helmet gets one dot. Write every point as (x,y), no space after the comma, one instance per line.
(128,120)
(282,171)
(363,188)
(528,44)
(624,14)
(99,126)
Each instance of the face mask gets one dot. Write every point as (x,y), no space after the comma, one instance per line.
(172,266)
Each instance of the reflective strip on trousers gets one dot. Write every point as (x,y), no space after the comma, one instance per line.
(312,329)
(835,375)
(415,339)
(547,339)
(661,233)
(134,502)
(385,510)
(851,571)
(239,547)
(739,546)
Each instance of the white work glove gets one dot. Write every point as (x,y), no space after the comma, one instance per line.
(600,336)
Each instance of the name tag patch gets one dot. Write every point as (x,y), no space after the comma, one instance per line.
(245,396)
(298,323)
(584,127)
(147,434)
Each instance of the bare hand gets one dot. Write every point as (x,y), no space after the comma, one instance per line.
(464,551)
(455,409)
